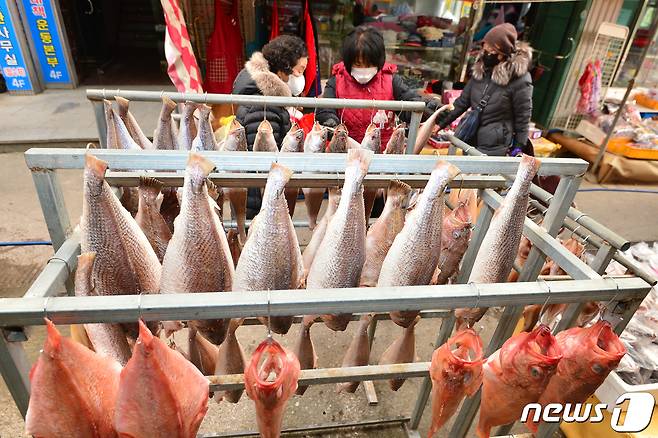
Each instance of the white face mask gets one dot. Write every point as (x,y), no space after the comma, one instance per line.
(296,84)
(364,75)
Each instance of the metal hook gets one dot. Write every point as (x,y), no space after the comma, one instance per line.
(205,98)
(139,306)
(269,314)
(104,96)
(161,94)
(574,230)
(605,307)
(473,285)
(581,215)
(543,307)
(68,268)
(45,307)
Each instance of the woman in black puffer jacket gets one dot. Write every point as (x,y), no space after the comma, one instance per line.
(501,72)
(275,71)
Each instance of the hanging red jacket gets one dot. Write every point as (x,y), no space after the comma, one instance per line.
(274,32)
(225,50)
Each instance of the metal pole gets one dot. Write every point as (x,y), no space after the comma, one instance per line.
(424,391)
(604,145)
(256,100)
(15,369)
(414,126)
(53,207)
(481,228)
(101,123)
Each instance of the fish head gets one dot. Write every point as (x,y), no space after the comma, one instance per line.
(465,357)
(296,132)
(94,175)
(458,224)
(316,139)
(265,127)
(236,139)
(531,359)
(372,138)
(272,372)
(596,350)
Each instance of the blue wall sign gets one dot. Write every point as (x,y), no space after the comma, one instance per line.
(49,50)
(12,60)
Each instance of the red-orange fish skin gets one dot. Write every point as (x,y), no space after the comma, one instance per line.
(161,394)
(270,397)
(75,391)
(456,372)
(516,375)
(589,354)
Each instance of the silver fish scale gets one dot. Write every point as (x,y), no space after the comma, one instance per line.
(501,243)
(415,252)
(271,258)
(198,257)
(341,254)
(125,261)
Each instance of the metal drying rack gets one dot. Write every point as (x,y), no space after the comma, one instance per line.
(586,282)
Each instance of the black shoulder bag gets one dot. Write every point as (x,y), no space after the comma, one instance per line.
(469,124)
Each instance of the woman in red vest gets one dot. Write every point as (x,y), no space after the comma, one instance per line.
(365,74)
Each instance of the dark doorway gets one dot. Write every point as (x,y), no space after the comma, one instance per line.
(117,42)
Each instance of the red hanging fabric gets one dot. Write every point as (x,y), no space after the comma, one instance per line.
(225,52)
(275,21)
(311,71)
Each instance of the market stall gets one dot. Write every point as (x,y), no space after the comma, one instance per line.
(239,169)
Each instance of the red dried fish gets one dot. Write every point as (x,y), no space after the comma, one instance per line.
(456,372)
(271,395)
(161,394)
(76,391)
(589,354)
(516,375)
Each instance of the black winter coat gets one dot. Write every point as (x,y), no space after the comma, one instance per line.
(257,79)
(504,121)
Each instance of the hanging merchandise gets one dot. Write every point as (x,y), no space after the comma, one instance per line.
(590,88)
(275,21)
(225,51)
(182,67)
(309,34)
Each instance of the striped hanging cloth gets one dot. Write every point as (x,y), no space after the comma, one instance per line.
(182,67)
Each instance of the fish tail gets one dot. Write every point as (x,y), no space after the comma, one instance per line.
(85,259)
(360,158)
(196,160)
(95,165)
(204,110)
(54,337)
(282,171)
(233,325)
(107,105)
(189,108)
(451,170)
(168,104)
(528,167)
(122,104)
(213,191)
(145,334)
(149,187)
(413,323)
(398,188)
(308,320)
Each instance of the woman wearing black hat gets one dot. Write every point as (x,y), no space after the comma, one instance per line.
(501,90)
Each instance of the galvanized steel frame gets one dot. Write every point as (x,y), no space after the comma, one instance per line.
(40,302)
(96,96)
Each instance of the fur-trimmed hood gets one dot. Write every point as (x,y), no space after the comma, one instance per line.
(515,66)
(267,82)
